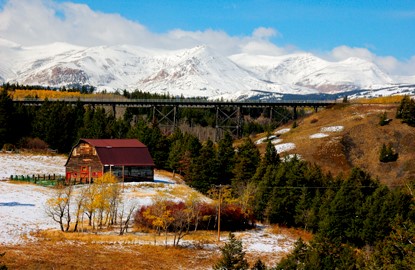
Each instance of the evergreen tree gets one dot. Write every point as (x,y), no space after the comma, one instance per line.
(344,221)
(259,265)
(246,162)
(397,251)
(271,156)
(387,154)
(2,266)
(7,112)
(233,257)
(406,111)
(226,159)
(203,171)
(320,253)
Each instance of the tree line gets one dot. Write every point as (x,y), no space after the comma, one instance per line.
(60,125)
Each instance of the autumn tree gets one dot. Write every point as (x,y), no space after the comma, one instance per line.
(58,207)
(160,215)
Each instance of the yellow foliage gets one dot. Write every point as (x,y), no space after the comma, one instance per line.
(53,94)
(380,100)
(107,178)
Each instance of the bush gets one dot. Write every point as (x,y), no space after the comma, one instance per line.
(387,154)
(233,217)
(33,144)
(314,120)
(383,119)
(9,147)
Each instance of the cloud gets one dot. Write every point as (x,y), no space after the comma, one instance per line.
(388,63)
(33,22)
(46,22)
(36,22)
(263,32)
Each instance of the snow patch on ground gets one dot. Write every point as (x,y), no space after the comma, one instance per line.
(22,211)
(289,157)
(282,131)
(284,147)
(262,140)
(262,240)
(332,129)
(318,135)
(25,164)
(276,141)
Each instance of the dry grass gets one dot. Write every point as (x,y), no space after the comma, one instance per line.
(292,232)
(76,255)
(379,100)
(58,250)
(358,145)
(176,177)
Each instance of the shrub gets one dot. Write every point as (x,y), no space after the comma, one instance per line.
(33,144)
(383,119)
(9,147)
(387,154)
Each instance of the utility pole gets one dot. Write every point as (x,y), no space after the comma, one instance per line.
(220,202)
(220,206)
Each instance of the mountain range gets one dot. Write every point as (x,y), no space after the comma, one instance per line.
(198,71)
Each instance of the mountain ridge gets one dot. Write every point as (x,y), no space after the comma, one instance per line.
(198,71)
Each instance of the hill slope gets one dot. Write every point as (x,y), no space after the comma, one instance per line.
(344,137)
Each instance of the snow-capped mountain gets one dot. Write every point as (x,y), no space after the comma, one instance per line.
(198,71)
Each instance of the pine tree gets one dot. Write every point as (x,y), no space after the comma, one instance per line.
(259,265)
(2,266)
(233,257)
(271,155)
(226,159)
(387,154)
(203,171)
(6,118)
(406,111)
(247,160)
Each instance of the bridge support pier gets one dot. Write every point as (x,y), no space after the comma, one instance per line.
(231,121)
(165,120)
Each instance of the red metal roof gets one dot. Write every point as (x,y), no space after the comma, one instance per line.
(114,142)
(117,152)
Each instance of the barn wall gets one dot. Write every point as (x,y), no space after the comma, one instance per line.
(82,164)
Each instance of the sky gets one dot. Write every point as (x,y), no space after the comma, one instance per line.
(381,31)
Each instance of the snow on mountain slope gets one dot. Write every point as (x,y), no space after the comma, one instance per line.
(310,71)
(198,71)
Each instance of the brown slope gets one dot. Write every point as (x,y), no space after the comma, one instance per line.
(358,144)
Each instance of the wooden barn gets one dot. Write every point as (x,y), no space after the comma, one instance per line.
(128,159)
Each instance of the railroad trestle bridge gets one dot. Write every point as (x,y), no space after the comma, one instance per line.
(228,117)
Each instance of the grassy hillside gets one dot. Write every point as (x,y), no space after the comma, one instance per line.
(357,142)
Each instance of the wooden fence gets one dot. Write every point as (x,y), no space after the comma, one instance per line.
(40,179)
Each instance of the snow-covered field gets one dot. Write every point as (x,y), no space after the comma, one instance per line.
(24,164)
(22,206)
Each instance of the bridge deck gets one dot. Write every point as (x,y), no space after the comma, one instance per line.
(182,103)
